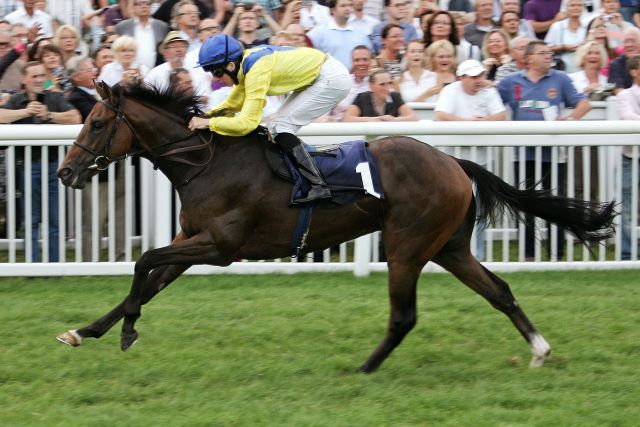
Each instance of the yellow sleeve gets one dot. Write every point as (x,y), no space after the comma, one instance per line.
(232,103)
(256,84)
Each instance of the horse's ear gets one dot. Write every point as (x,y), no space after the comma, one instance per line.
(103,90)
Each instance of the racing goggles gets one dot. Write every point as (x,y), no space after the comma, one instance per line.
(217,72)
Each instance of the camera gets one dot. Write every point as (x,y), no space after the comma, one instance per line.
(247,6)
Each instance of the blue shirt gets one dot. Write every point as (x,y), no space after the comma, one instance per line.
(338,41)
(528,100)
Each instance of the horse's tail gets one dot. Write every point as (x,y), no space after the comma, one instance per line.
(588,221)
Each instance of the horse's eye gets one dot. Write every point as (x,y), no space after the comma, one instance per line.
(97,125)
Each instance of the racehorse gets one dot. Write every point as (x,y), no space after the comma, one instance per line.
(234,207)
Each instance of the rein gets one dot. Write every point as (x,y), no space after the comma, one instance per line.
(103,159)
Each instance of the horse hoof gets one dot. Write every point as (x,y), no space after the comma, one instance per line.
(71,338)
(364,369)
(541,351)
(128,340)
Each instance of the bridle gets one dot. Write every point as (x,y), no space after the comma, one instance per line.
(103,159)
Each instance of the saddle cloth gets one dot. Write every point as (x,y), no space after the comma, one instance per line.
(349,170)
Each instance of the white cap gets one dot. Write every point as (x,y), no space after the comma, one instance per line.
(470,68)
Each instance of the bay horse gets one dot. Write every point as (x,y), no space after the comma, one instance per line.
(233,207)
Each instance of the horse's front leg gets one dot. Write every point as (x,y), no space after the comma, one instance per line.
(199,249)
(159,279)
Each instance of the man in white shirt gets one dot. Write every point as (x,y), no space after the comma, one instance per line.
(30,16)
(173,49)
(472,98)
(360,21)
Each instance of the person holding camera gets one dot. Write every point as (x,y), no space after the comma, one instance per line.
(35,105)
(245,21)
(616,25)
(51,57)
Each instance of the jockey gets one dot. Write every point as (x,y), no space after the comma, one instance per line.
(318,83)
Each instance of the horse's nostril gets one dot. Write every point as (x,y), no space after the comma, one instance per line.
(64,172)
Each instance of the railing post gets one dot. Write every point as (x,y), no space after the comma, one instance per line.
(362,256)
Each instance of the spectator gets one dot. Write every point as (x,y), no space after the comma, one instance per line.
(67,38)
(163,13)
(597,31)
(510,23)
(628,8)
(337,37)
(312,14)
(398,14)
(460,6)
(471,99)
(297,36)
(443,25)
(590,59)
(618,72)
(416,80)
(495,50)
(291,13)
(539,93)
(628,105)
(379,104)
(474,32)
(102,57)
(38,44)
(524,27)
(390,56)
(360,21)
(201,80)
(34,105)
(83,97)
(517,47)
(29,16)
(12,59)
(246,23)
(173,49)
(56,75)
(124,69)
(116,14)
(616,25)
(361,58)
(566,35)
(185,18)
(147,31)
(109,38)
(68,12)
(439,63)
(271,8)
(541,14)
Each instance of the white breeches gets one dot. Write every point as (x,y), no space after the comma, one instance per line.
(300,108)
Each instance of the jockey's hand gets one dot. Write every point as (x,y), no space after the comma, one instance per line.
(198,123)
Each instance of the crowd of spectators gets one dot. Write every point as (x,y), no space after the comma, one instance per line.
(398,51)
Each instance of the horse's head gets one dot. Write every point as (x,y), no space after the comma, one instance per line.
(107,136)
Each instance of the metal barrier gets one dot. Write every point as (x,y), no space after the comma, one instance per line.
(503,244)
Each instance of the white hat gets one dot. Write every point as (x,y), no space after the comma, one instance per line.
(470,68)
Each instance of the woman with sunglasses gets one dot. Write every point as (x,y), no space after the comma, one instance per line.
(318,83)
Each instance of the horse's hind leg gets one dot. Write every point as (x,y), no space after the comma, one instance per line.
(159,279)
(402,295)
(465,267)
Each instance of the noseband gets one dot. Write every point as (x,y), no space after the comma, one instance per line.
(103,160)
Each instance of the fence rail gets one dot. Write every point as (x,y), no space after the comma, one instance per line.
(503,244)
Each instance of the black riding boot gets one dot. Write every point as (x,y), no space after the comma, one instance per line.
(319,190)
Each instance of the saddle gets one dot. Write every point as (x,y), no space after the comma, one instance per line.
(349,170)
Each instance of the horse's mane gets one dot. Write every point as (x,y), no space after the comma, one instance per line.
(171,99)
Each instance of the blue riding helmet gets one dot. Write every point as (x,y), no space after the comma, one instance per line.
(218,50)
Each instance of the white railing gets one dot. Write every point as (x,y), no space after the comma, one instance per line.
(503,139)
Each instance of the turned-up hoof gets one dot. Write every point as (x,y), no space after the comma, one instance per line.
(71,338)
(128,340)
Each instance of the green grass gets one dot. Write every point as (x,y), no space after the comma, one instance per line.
(282,350)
